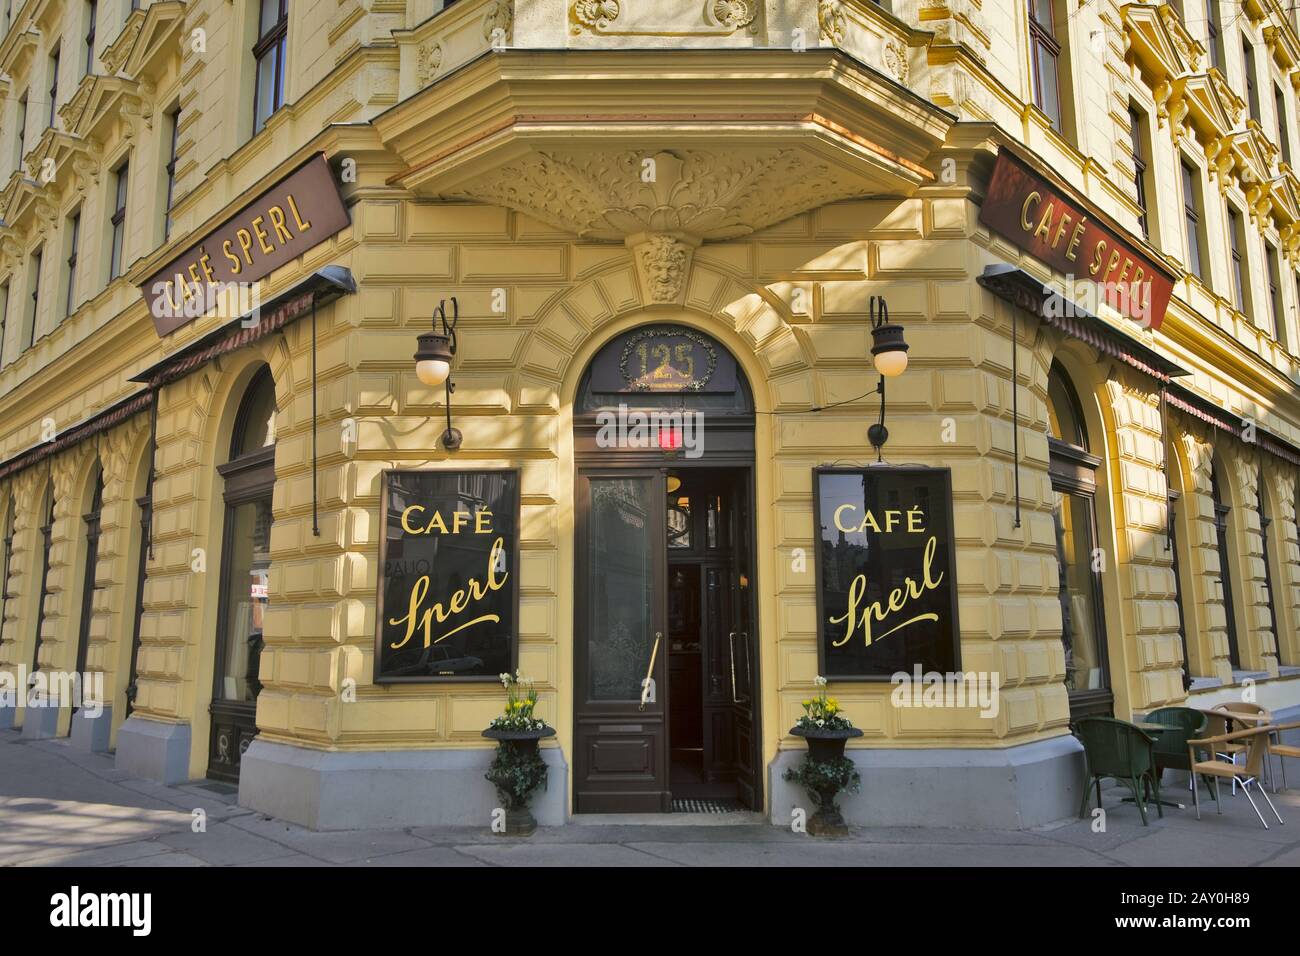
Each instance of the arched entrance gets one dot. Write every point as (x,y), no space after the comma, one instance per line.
(666,684)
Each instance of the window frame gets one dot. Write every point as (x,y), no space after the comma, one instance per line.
(1192,217)
(1223,537)
(37,264)
(1140,168)
(74,242)
(274,42)
(1237,261)
(1072,471)
(55,57)
(169,170)
(93,10)
(117,221)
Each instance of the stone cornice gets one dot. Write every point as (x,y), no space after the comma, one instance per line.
(783,132)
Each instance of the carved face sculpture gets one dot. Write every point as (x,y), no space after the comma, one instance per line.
(664,261)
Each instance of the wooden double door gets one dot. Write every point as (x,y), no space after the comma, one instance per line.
(666,662)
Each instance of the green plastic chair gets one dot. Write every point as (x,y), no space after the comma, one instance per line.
(1116,749)
(1171,747)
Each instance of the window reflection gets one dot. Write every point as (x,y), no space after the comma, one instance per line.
(246,598)
(1072,515)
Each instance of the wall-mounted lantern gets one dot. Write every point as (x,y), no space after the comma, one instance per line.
(433,355)
(889,355)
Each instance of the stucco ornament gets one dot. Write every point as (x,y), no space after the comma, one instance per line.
(894,55)
(831,21)
(707,194)
(500,17)
(428,61)
(734,14)
(594,14)
(663,261)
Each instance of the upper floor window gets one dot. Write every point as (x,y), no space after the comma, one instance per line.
(1248,73)
(74,241)
(1236,241)
(1044,57)
(1283,127)
(169,169)
(1192,218)
(21,139)
(1213,40)
(1275,294)
(1139,169)
(118,220)
(92,17)
(34,314)
(4,318)
(269,55)
(54,88)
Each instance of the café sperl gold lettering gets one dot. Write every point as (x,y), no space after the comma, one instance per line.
(416,519)
(261,234)
(860,618)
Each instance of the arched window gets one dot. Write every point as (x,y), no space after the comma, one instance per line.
(1074,488)
(249,478)
(91,519)
(1265,522)
(8,563)
(47,532)
(145,504)
(1222,513)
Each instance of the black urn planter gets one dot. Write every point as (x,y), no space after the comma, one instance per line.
(825,750)
(517,770)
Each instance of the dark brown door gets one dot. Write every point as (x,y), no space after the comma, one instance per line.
(620,723)
(742,650)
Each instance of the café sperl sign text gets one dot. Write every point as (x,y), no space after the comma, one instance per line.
(1027,210)
(299,212)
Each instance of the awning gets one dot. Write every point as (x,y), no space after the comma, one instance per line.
(1224,420)
(1020,289)
(88,428)
(320,287)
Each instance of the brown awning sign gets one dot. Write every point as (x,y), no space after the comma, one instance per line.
(1038,217)
(297,213)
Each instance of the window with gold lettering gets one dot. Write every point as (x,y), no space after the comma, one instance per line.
(886,571)
(449,576)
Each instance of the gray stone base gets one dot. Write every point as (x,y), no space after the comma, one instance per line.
(1011,788)
(154,750)
(40,723)
(92,733)
(346,790)
(8,715)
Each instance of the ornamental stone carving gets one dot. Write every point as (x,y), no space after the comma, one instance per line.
(703,193)
(594,15)
(831,21)
(428,61)
(734,14)
(501,17)
(663,262)
(894,55)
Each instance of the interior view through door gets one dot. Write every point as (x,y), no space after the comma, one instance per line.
(665,715)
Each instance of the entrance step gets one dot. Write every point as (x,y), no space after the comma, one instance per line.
(726,819)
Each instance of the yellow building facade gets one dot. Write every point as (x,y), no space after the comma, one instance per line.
(1124,521)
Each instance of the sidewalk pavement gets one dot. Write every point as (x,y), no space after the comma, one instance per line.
(64,807)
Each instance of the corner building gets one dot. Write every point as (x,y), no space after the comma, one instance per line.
(207,514)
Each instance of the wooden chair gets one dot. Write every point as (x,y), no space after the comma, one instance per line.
(1242,716)
(1282,750)
(1255,741)
(1219,724)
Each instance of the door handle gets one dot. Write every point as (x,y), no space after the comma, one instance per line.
(648,685)
(731,655)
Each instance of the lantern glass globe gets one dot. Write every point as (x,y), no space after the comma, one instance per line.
(432,371)
(892,363)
